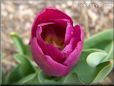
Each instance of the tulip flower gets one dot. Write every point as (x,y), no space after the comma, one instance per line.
(55,43)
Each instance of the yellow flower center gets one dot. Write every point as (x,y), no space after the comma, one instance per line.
(56,41)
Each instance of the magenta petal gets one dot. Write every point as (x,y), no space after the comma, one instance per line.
(55,28)
(69,32)
(61,22)
(74,56)
(76,36)
(42,44)
(56,69)
(39,28)
(50,50)
(47,23)
(55,53)
(78,42)
(68,26)
(46,63)
(38,31)
(67,50)
(81,34)
(51,13)
(46,15)
(37,53)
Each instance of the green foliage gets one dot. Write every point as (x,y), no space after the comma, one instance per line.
(25,64)
(14,75)
(21,47)
(23,69)
(72,78)
(96,62)
(95,58)
(30,79)
(18,42)
(44,79)
(89,74)
(102,73)
(100,40)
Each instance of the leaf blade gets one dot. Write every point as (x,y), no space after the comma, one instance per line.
(18,42)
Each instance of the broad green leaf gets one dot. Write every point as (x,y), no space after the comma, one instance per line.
(103,72)
(18,42)
(23,69)
(95,58)
(25,64)
(14,75)
(110,53)
(22,48)
(44,79)
(28,52)
(17,73)
(22,58)
(86,73)
(71,79)
(108,47)
(100,40)
(30,79)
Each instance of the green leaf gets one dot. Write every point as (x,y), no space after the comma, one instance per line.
(25,64)
(22,58)
(86,73)
(30,79)
(28,52)
(95,58)
(108,47)
(22,48)
(95,62)
(100,40)
(103,72)
(14,75)
(19,43)
(23,69)
(44,79)
(110,53)
(71,79)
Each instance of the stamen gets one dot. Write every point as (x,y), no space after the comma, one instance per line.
(53,39)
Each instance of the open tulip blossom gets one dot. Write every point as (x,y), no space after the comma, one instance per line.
(55,43)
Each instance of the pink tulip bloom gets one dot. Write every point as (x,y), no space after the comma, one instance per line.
(55,43)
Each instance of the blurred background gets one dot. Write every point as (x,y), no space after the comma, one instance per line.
(18,15)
